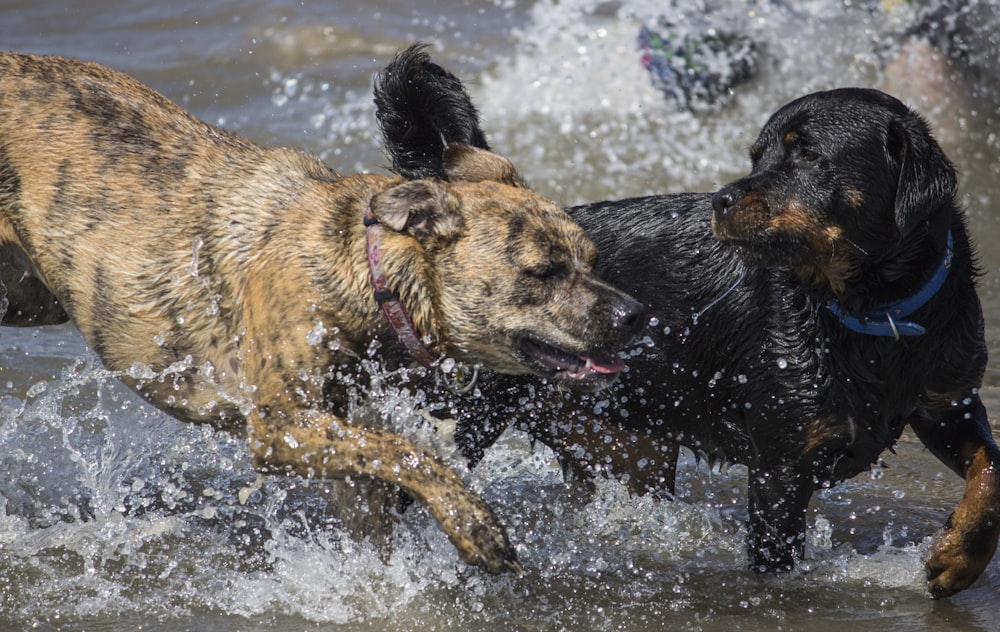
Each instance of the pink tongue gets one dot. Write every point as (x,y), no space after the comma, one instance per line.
(614,364)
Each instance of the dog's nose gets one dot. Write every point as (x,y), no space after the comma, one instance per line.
(724,199)
(630,316)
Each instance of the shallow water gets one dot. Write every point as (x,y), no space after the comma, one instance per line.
(117,517)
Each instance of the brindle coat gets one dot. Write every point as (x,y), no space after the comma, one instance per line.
(172,243)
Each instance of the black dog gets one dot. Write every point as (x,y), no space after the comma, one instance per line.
(803,316)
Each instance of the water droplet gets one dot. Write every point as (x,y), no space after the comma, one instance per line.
(315,335)
(37,388)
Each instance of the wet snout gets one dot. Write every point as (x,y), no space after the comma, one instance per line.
(613,324)
(744,217)
(624,317)
(725,198)
(725,203)
(584,350)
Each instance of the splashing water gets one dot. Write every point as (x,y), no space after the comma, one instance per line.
(113,507)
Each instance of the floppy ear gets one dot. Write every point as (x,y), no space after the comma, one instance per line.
(419,207)
(472,164)
(927,179)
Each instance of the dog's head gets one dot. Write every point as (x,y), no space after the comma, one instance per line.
(500,276)
(840,181)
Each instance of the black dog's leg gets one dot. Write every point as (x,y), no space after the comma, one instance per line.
(778,498)
(24,299)
(961,551)
(645,463)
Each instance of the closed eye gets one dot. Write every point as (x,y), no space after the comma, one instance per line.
(549,270)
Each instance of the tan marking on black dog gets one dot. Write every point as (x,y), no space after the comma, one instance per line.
(169,242)
(856,199)
(646,464)
(968,541)
(817,434)
(817,249)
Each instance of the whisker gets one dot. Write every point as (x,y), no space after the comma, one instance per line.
(715,301)
(860,249)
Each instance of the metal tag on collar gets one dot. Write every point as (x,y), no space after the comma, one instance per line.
(877,325)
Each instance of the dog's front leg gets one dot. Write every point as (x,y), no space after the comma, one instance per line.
(325,446)
(965,546)
(778,498)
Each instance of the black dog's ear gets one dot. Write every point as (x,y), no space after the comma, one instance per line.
(471,164)
(927,179)
(420,108)
(421,208)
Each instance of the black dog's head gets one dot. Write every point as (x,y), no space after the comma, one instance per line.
(843,183)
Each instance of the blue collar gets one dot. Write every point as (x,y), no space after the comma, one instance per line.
(883,319)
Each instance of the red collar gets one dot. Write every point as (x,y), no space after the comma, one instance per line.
(392,307)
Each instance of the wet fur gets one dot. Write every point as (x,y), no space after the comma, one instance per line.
(850,198)
(197,264)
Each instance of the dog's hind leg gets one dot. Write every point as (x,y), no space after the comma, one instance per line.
(323,446)
(965,546)
(25,300)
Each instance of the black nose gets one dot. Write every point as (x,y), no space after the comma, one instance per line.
(724,199)
(630,316)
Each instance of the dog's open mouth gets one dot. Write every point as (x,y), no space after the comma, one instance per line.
(568,366)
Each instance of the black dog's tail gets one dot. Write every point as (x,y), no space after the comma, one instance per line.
(421,108)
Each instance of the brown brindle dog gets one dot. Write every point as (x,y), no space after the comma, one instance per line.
(233,285)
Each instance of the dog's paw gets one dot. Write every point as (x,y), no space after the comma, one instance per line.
(487,546)
(958,556)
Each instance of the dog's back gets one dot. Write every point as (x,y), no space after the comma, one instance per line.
(113,169)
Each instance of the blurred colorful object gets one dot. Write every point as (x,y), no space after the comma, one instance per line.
(697,70)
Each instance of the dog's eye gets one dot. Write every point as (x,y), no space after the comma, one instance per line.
(808,155)
(549,270)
